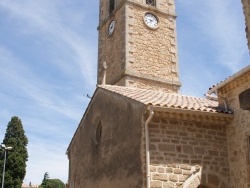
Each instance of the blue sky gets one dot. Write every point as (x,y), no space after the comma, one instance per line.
(48,59)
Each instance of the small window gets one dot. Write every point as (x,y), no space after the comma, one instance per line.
(151,2)
(98,133)
(111,6)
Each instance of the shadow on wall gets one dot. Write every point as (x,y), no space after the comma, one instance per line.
(204,179)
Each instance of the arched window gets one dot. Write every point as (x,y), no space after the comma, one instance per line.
(151,2)
(98,133)
(111,6)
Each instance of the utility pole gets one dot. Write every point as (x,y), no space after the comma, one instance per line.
(5,149)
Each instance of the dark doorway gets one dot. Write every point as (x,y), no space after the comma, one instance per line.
(202,186)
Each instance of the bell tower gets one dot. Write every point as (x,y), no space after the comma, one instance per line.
(137,40)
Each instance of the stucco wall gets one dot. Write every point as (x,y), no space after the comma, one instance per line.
(238,132)
(186,152)
(115,160)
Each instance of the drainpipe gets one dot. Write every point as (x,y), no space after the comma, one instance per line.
(151,114)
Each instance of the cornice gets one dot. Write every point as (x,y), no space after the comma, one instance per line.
(210,118)
(148,77)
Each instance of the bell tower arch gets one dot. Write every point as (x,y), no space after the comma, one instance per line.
(137,40)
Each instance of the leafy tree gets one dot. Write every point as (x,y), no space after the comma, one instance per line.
(45,179)
(16,158)
(51,183)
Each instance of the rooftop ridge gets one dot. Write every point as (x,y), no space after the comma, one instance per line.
(167,100)
(148,90)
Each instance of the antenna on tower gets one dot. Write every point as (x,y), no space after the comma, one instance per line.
(104,73)
(89,96)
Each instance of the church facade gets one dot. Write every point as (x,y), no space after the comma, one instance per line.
(138,131)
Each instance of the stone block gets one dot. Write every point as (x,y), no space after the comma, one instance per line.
(152,169)
(155,184)
(196,161)
(160,170)
(183,178)
(177,171)
(168,185)
(207,158)
(186,172)
(213,153)
(185,166)
(173,178)
(175,141)
(199,150)
(169,170)
(187,149)
(178,149)
(182,156)
(163,177)
(166,147)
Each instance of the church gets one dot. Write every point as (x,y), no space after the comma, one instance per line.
(138,130)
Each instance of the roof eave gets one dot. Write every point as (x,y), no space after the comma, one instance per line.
(228,80)
(191,112)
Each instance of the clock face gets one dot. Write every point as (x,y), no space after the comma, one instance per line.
(111,27)
(151,20)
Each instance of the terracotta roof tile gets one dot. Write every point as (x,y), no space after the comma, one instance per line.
(167,100)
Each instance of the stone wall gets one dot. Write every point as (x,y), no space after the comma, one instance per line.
(143,84)
(152,53)
(104,13)
(238,132)
(136,53)
(112,48)
(188,153)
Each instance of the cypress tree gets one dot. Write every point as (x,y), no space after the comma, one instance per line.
(15,168)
